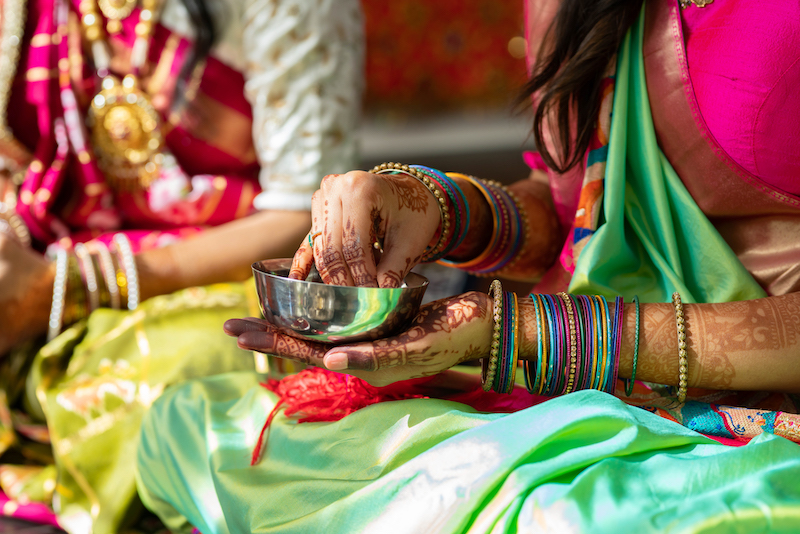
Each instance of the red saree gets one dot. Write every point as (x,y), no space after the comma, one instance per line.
(63,193)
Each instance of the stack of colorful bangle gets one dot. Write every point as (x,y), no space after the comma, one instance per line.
(458,207)
(510,226)
(579,343)
(453,206)
(509,229)
(89,277)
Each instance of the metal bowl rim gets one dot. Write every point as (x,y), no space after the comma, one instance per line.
(417,280)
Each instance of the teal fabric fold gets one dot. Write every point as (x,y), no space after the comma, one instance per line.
(585,462)
(655,239)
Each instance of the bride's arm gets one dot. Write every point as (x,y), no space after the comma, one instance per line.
(223,253)
(748,345)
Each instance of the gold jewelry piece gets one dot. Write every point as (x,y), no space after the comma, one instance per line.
(515,354)
(76,306)
(698,3)
(441,201)
(125,127)
(490,364)
(115,11)
(126,133)
(683,361)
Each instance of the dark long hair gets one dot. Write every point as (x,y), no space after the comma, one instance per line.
(205,37)
(574,56)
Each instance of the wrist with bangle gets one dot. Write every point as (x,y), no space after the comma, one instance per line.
(510,226)
(90,276)
(578,344)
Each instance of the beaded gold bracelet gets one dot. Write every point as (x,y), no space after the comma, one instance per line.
(683,360)
(489,366)
(441,202)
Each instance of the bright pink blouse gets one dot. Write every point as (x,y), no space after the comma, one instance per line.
(744,63)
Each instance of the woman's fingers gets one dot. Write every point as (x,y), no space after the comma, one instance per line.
(399,256)
(259,335)
(361,231)
(302,261)
(412,219)
(328,254)
(235,327)
(268,340)
(352,212)
(444,333)
(411,347)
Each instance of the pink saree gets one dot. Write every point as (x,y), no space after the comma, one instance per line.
(755,209)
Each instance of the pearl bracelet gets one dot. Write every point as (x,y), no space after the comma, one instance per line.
(59,294)
(128,262)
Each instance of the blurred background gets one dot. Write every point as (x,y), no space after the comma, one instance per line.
(441,80)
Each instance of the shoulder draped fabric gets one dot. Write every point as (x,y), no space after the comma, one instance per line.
(651,237)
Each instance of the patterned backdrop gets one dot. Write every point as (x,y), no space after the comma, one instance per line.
(443,55)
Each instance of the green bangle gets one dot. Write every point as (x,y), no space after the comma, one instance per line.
(632,379)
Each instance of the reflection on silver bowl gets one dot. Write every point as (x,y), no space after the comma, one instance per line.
(309,309)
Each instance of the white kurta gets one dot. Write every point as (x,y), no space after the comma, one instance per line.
(303,65)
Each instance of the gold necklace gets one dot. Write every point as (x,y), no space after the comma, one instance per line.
(114,11)
(698,3)
(125,127)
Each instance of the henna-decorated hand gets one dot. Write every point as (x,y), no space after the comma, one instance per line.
(355,210)
(444,333)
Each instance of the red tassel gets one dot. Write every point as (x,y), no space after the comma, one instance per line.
(260,444)
(319,395)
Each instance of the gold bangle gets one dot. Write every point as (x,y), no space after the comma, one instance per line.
(75,303)
(441,201)
(683,360)
(515,353)
(489,366)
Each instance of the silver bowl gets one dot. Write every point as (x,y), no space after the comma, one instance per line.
(309,309)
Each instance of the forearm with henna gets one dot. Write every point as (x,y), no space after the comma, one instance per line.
(749,345)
